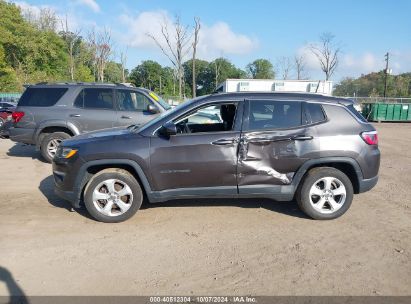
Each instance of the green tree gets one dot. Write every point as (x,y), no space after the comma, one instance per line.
(148,74)
(30,52)
(202,67)
(373,85)
(260,69)
(113,72)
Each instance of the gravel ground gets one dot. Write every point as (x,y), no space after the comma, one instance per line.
(218,247)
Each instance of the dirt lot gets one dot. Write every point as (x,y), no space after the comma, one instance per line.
(206,247)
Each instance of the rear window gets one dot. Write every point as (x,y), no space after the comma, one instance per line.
(356,113)
(314,112)
(41,97)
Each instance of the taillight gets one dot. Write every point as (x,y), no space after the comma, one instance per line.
(17,116)
(370,138)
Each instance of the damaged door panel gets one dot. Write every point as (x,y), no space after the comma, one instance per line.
(269,156)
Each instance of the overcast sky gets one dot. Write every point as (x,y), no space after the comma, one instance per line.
(244,30)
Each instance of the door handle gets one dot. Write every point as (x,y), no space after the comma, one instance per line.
(125,117)
(224,142)
(75,115)
(301,137)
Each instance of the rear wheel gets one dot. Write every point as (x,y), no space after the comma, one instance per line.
(113,195)
(326,193)
(50,143)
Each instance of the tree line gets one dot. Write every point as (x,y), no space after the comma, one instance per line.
(38,47)
(372,85)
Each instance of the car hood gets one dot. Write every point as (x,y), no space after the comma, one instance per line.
(105,134)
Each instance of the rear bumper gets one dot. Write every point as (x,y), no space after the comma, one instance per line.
(4,130)
(22,135)
(368,184)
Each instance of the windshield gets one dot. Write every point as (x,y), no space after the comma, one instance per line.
(161,101)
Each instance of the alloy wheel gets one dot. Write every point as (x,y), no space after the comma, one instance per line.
(52,146)
(327,195)
(112,197)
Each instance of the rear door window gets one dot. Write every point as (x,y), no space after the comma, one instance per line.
(95,98)
(314,113)
(41,97)
(272,114)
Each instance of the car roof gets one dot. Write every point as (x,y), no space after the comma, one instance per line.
(289,96)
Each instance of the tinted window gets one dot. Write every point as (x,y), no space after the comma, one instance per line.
(314,112)
(214,118)
(274,115)
(95,99)
(41,97)
(356,113)
(131,101)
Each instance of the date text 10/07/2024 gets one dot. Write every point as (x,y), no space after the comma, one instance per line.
(205,299)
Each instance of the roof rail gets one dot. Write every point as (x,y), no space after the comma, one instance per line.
(122,84)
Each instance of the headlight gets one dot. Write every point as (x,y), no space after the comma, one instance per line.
(64,152)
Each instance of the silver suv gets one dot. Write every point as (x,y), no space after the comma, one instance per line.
(49,113)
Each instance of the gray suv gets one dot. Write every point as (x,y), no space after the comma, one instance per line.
(49,113)
(316,149)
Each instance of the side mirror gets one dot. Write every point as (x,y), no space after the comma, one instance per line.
(152,109)
(168,129)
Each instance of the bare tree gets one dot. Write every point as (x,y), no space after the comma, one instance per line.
(299,66)
(45,19)
(175,47)
(285,66)
(327,52)
(123,60)
(71,39)
(101,48)
(197,27)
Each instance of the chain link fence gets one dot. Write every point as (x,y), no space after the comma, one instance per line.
(380,99)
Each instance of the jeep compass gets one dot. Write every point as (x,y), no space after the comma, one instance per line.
(312,148)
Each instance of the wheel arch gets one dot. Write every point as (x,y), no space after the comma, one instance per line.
(52,127)
(347,165)
(89,169)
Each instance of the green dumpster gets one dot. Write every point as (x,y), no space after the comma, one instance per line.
(387,111)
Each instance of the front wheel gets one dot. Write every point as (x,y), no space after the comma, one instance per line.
(326,193)
(113,196)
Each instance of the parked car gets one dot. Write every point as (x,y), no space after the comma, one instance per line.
(5,121)
(49,113)
(7,106)
(317,149)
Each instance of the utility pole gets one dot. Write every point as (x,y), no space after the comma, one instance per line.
(387,59)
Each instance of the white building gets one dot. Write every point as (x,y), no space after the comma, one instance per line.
(272,85)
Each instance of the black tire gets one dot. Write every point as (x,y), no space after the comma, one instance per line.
(56,136)
(303,193)
(124,177)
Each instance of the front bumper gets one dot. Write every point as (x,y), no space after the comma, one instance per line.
(368,184)
(68,180)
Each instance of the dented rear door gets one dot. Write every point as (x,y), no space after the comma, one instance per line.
(274,144)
